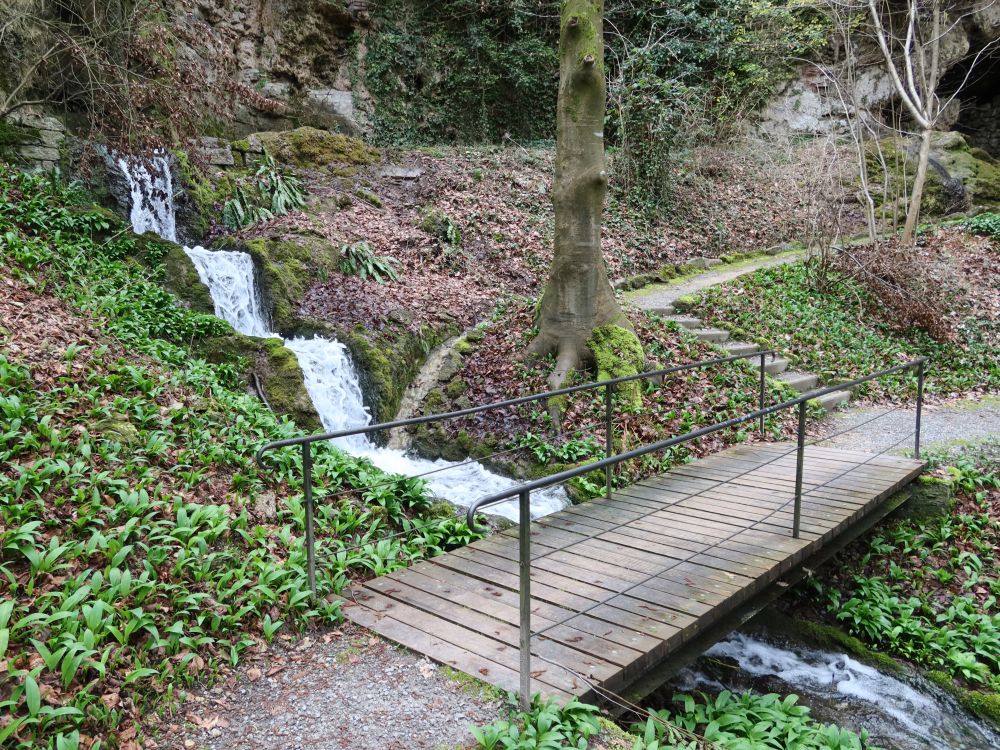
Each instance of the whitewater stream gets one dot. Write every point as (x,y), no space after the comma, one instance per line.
(900,712)
(330,376)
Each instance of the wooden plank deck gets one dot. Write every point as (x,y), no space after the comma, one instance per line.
(618,584)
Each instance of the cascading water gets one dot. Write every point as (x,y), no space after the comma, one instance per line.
(152,195)
(330,376)
(228,275)
(904,712)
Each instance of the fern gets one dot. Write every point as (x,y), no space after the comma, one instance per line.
(271,193)
(360,260)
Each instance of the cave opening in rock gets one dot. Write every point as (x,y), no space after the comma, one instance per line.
(979,99)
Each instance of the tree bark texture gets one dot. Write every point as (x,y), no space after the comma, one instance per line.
(578,296)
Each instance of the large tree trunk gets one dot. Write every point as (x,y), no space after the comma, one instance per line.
(578,297)
(917,193)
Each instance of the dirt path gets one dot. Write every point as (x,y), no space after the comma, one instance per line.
(659,296)
(880,428)
(343,689)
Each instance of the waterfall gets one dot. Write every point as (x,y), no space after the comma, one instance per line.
(229,275)
(903,712)
(330,376)
(152,195)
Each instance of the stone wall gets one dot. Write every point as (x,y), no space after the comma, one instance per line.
(32,140)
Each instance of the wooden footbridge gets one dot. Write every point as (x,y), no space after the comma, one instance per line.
(600,594)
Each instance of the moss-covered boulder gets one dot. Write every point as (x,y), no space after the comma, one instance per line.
(930,497)
(201,195)
(618,354)
(286,266)
(314,148)
(271,369)
(181,278)
(389,360)
(957,177)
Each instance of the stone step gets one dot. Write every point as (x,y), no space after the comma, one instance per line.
(712,335)
(703,262)
(831,401)
(799,381)
(741,347)
(775,366)
(665,310)
(686,321)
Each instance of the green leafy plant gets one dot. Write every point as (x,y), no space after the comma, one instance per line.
(572,450)
(745,722)
(546,726)
(271,192)
(928,590)
(360,260)
(986,223)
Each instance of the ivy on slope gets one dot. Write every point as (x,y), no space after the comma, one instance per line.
(140,546)
(831,334)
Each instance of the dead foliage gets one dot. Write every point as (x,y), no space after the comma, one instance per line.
(934,286)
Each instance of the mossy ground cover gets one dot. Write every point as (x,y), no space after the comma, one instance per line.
(493,369)
(927,590)
(142,547)
(841,333)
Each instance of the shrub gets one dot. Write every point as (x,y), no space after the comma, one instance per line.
(908,287)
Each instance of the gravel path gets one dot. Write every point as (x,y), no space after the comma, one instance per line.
(342,689)
(941,425)
(657,296)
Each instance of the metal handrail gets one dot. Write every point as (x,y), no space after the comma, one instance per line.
(509,402)
(609,385)
(523,491)
(800,401)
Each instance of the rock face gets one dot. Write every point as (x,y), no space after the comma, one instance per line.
(811,103)
(960,177)
(297,53)
(981,122)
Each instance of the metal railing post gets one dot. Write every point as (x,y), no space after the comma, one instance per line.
(920,407)
(524,536)
(800,459)
(763,387)
(308,499)
(609,439)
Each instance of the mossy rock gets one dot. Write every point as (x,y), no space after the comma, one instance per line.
(984,705)
(618,354)
(686,302)
(389,360)
(311,147)
(117,428)
(286,267)
(201,195)
(181,278)
(613,737)
(957,176)
(930,497)
(276,368)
